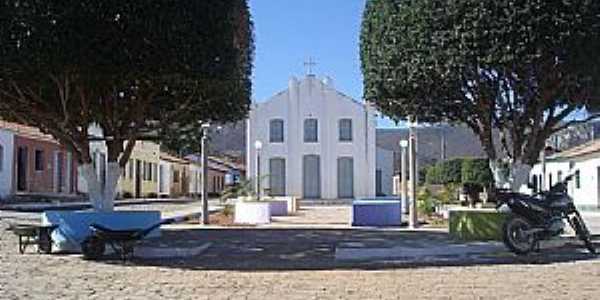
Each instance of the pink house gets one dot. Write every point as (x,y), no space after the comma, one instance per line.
(33,163)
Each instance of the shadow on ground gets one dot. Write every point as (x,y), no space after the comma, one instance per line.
(314,249)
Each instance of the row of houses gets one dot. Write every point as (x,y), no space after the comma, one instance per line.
(583,162)
(33,163)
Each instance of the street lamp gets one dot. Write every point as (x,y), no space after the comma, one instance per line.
(258,146)
(404,187)
(203,157)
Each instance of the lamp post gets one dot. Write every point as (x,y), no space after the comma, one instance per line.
(203,157)
(412,139)
(404,185)
(258,146)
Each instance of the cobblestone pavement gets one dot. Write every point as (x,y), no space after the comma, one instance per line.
(305,262)
(297,264)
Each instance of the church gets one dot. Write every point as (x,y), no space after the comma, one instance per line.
(313,142)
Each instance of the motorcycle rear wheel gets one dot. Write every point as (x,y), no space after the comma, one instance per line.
(514,237)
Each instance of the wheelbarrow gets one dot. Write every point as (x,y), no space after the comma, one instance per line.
(122,242)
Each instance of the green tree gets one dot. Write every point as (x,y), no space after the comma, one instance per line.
(476,171)
(522,68)
(136,69)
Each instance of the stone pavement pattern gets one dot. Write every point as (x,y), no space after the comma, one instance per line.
(288,264)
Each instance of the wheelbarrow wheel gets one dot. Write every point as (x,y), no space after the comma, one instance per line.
(92,248)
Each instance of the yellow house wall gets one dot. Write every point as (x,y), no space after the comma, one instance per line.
(147,152)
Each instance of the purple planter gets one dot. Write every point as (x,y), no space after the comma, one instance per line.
(376,213)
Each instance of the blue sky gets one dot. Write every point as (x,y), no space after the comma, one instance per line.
(288,32)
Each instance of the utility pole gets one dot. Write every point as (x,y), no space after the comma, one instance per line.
(204,181)
(413,218)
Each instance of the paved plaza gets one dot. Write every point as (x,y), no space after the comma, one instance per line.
(304,260)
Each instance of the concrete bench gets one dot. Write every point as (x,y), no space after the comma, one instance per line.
(373,212)
(476,224)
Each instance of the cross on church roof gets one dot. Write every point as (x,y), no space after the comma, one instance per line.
(309,66)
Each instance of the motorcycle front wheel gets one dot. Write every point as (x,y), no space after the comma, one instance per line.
(515,235)
(583,233)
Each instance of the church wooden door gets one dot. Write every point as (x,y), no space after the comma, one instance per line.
(345,177)
(311,177)
(277,176)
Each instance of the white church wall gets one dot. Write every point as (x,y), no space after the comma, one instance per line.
(385,165)
(311,98)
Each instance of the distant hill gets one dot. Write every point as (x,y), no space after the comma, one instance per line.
(230,140)
(459,142)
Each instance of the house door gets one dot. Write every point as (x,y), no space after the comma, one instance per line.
(59,172)
(277,176)
(598,185)
(345,177)
(378,183)
(138,179)
(22,166)
(311,177)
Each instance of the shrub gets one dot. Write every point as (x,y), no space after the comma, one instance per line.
(426,202)
(228,210)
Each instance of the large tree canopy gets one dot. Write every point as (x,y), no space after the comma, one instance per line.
(130,67)
(520,67)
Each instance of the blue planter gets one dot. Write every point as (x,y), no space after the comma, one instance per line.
(375,212)
(73,226)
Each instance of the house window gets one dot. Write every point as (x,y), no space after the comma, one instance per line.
(345,130)
(577,180)
(311,131)
(1,158)
(276,131)
(39,160)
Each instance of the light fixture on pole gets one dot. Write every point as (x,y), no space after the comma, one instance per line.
(403,172)
(203,157)
(258,146)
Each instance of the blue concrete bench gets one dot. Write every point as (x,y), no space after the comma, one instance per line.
(74,226)
(376,212)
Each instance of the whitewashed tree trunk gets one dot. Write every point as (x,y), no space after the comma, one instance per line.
(102,199)
(516,176)
(113,173)
(501,179)
(519,175)
(94,187)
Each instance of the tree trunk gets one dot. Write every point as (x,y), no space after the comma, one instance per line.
(512,178)
(113,173)
(101,198)
(501,175)
(519,175)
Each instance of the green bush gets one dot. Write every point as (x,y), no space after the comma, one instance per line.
(449,193)
(426,202)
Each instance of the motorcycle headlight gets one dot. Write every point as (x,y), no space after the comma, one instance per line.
(504,208)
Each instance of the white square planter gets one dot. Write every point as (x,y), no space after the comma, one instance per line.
(252,213)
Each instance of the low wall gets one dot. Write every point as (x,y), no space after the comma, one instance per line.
(476,224)
(374,212)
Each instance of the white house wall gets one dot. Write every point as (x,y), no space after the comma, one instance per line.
(322,102)
(588,195)
(7,140)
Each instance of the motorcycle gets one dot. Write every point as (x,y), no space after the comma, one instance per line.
(538,217)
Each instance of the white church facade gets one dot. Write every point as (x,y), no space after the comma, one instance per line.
(317,143)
